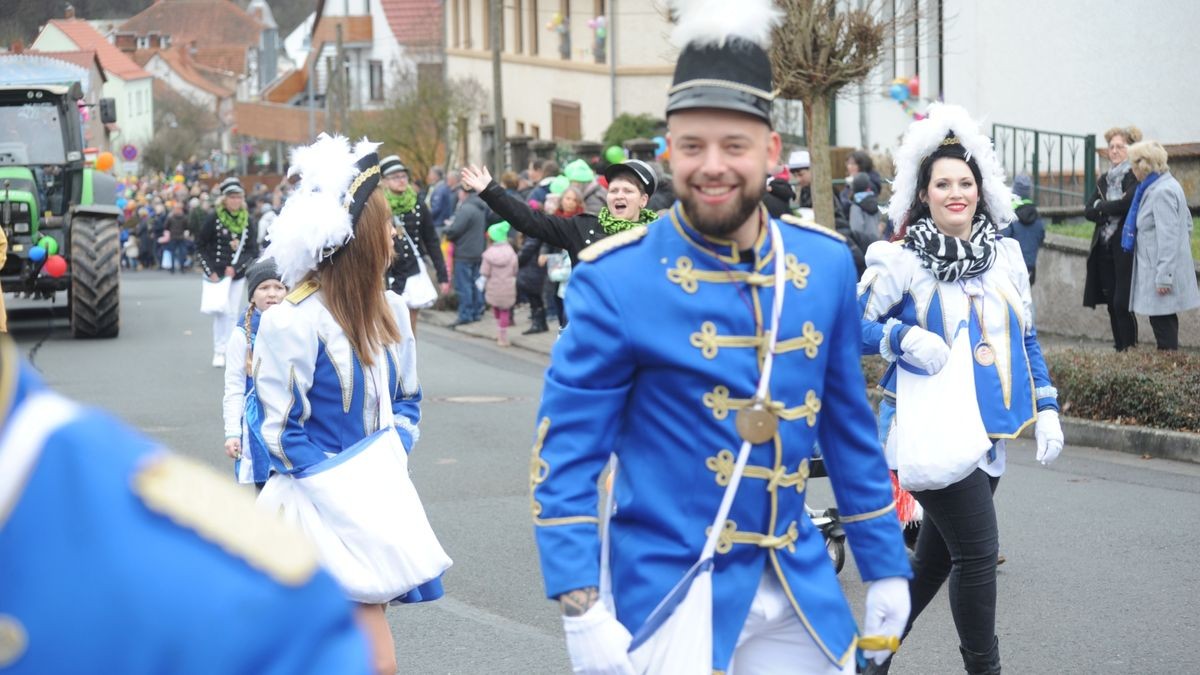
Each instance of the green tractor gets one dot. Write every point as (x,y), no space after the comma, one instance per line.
(50,200)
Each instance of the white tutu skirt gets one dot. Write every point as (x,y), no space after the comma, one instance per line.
(361,511)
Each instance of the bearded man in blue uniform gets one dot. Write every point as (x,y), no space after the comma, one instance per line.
(116,557)
(669,327)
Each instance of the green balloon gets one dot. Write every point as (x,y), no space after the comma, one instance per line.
(614,154)
(50,244)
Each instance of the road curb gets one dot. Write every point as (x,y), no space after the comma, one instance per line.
(1134,440)
(1144,441)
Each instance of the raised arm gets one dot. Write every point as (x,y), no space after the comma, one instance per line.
(550,229)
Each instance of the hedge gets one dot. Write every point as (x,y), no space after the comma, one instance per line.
(1143,387)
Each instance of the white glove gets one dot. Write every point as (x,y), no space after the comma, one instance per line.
(1049,435)
(480,283)
(888,604)
(597,643)
(924,350)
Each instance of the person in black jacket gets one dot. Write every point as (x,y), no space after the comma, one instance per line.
(414,240)
(779,195)
(1109,267)
(630,185)
(531,278)
(226,245)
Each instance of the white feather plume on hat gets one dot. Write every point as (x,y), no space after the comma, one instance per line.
(713,22)
(315,220)
(924,137)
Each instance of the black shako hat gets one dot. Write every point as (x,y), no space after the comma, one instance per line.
(391,164)
(733,76)
(365,181)
(641,170)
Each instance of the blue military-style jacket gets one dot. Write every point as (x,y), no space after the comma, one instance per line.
(664,347)
(116,557)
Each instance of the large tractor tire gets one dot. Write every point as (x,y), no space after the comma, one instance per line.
(95,277)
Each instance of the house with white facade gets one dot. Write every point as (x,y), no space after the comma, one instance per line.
(211,89)
(568,67)
(384,44)
(126,82)
(1067,70)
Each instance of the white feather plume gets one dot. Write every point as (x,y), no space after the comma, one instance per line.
(713,22)
(923,138)
(313,221)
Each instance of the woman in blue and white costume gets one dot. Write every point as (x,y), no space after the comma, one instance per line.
(947,268)
(339,342)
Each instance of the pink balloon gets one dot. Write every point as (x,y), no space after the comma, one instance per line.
(914,86)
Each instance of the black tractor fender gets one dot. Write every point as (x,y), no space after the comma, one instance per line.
(104,189)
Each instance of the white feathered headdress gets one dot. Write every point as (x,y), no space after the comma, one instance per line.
(319,216)
(924,137)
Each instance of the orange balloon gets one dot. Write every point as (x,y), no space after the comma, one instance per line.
(104,161)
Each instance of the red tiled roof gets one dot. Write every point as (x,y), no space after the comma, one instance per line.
(84,58)
(229,58)
(85,37)
(194,74)
(415,23)
(208,23)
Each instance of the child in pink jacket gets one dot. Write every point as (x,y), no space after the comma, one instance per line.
(498,275)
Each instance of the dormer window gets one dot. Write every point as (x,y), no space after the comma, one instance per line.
(143,42)
(164,42)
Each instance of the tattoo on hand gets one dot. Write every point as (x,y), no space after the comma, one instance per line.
(578,601)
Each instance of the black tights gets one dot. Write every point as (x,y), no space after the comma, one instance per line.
(959,540)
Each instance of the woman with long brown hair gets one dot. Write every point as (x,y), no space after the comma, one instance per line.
(335,370)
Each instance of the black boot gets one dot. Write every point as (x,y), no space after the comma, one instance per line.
(986,663)
(539,323)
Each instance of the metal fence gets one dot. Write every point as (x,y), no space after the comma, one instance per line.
(1063,166)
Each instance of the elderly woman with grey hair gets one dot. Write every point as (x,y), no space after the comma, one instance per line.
(1158,231)
(1109,268)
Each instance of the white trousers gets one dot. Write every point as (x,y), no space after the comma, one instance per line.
(222,328)
(774,641)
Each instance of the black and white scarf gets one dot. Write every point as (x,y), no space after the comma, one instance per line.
(951,258)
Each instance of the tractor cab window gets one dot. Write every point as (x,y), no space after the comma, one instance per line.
(31,133)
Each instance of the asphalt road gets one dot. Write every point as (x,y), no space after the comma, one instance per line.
(1102,573)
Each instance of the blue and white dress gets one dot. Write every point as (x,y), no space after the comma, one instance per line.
(315,397)
(897,291)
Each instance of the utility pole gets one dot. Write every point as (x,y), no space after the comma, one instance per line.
(497,9)
(343,89)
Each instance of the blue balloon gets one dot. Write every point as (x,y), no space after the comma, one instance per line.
(121,203)
(120,188)
(37,254)
(899,92)
(660,145)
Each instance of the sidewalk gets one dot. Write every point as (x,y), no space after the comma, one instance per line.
(486,328)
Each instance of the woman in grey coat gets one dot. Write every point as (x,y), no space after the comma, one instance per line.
(1164,274)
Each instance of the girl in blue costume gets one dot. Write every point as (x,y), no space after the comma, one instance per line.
(243,440)
(949,268)
(335,363)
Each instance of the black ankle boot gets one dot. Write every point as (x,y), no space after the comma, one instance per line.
(538,324)
(986,663)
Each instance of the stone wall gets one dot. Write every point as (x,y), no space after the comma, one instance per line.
(1058,298)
